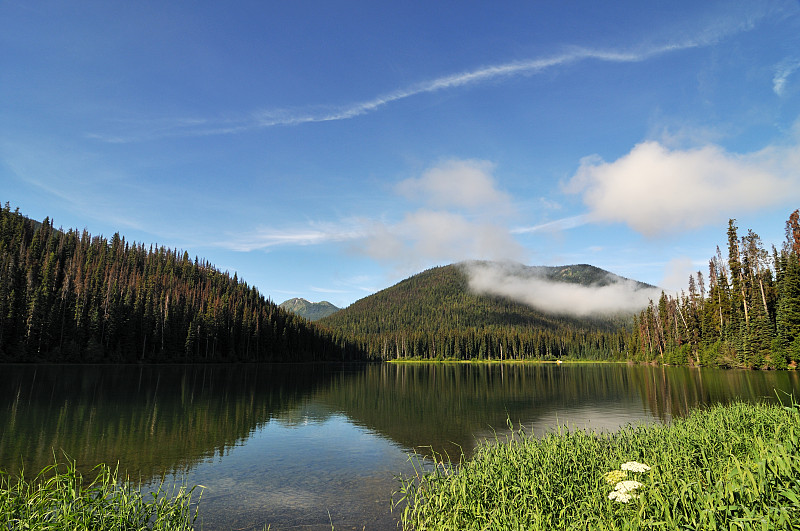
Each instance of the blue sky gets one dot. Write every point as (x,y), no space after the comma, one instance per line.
(327,150)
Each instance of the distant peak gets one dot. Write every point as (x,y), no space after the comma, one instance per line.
(307,309)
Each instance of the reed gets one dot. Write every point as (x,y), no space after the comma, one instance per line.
(60,498)
(725,467)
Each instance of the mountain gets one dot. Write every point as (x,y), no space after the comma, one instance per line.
(435,314)
(313,311)
(582,274)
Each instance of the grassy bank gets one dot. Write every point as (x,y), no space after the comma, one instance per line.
(60,498)
(727,467)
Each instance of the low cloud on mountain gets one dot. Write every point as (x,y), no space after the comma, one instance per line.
(613,295)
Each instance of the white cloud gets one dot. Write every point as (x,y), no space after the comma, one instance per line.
(676,273)
(782,73)
(447,236)
(438,235)
(656,190)
(509,280)
(382,244)
(461,220)
(457,183)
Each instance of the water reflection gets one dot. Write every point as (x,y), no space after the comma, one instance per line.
(314,444)
(674,391)
(151,419)
(448,406)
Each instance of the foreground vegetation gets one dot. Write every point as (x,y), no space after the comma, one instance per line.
(60,498)
(727,467)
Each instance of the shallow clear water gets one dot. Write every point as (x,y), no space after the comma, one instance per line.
(307,446)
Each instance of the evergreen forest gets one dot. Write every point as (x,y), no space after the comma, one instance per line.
(744,313)
(435,316)
(68,296)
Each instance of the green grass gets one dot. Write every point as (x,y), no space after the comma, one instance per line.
(60,498)
(726,467)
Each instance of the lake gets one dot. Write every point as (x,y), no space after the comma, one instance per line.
(307,446)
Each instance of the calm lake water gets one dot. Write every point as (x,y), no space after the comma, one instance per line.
(307,446)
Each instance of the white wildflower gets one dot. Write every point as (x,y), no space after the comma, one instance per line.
(627,486)
(633,466)
(624,491)
(622,497)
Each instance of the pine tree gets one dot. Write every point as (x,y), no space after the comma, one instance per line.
(788,315)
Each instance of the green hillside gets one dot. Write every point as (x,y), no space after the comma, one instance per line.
(435,315)
(69,296)
(313,311)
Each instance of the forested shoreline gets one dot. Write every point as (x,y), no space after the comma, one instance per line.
(67,296)
(748,316)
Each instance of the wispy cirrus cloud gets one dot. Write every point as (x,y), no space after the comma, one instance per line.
(71,179)
(264,238)
(262,119)
(557,225)
(317,289)
(782,73)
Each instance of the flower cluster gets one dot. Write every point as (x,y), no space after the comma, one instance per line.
(633,466)
(625,490)
(622,497)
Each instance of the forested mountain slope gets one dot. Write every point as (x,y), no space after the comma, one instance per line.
(435,315)
(68,296)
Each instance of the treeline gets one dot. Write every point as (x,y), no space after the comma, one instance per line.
(746,315)
(68,296)
(434,315)
(494,343)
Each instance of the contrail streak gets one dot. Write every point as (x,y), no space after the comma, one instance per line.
(283,117)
